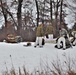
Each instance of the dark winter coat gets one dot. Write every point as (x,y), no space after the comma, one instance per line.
(39,31)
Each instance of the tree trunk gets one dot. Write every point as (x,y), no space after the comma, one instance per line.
(19,18)
(61,13)
(51,10)
(4,12)
(5,16)
(37,12)
(56,32)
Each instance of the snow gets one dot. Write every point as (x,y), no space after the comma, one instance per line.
(30,56)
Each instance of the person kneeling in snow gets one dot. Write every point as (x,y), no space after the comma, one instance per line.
(39,36)
(63,41)
(74,38)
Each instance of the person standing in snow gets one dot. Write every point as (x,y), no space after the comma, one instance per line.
(49,30)
(39,35)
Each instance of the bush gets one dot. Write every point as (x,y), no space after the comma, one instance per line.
(67,67)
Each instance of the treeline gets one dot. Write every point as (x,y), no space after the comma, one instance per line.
(21,16)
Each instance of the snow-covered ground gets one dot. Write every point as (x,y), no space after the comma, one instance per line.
(30,56)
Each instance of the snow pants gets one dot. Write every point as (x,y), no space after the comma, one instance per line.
(38,41)
(61,39)
(74,43)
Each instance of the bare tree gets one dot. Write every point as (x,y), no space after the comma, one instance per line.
(72,8)
(19,18)
(56,27)
(4,5)
(61,12)
(51,8)
(37,7)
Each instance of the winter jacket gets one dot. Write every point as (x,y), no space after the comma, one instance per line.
(63,32)
(49,30)
(39,31)
(74,33)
